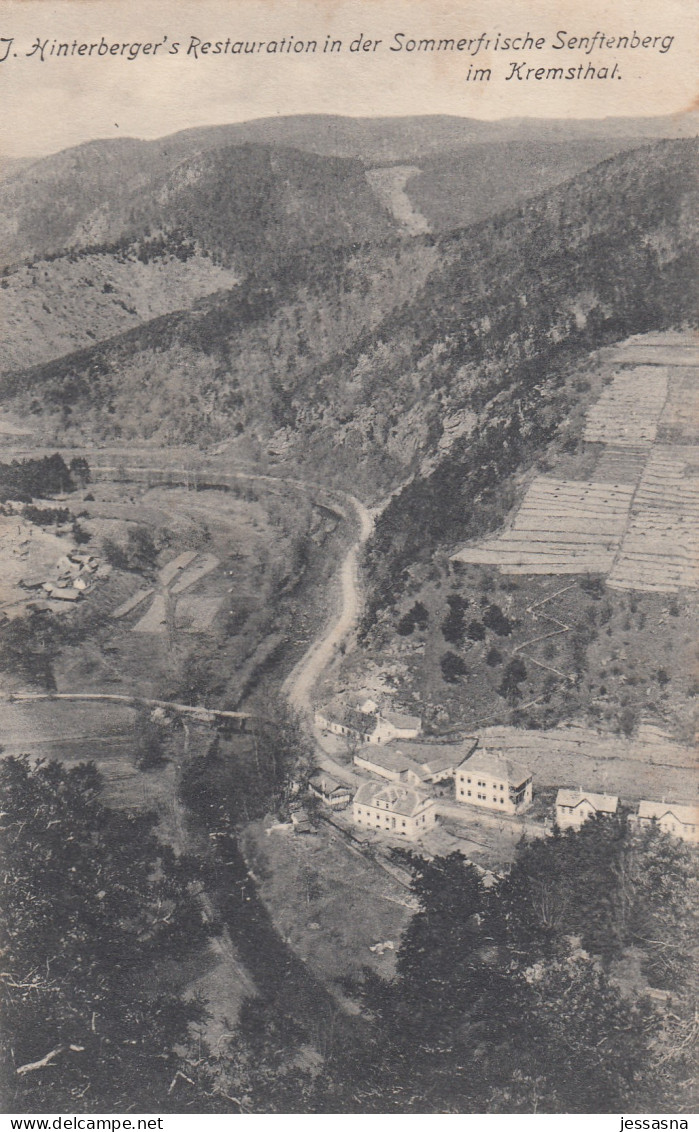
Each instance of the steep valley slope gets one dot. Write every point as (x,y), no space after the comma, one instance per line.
(397,359)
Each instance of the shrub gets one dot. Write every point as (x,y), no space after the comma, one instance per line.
(453,667)
(495,619)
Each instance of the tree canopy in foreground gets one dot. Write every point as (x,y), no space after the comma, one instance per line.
(93,903)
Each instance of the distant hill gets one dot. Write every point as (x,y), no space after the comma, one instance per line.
(376,140)
(120,188)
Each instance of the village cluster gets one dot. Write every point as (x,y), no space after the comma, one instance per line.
(71,576)
(405,791)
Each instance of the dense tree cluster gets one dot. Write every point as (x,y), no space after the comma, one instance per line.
(139,553)
(237,782)
(516,998)
(417,617)
(25,480)
(29,646)
(93,904)
(528,995)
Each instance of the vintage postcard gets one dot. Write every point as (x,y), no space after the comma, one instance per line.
(349,533)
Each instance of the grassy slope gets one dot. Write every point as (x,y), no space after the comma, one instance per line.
(57,306)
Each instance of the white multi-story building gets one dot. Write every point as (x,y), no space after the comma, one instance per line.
(488,779)
(398,810)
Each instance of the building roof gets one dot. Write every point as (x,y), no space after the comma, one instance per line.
(686,815)
(493,762)
(65,595)
(435,757)
(602,803)
(326,783)
(347,716)
(33,581)
(401,799)
(389,760)
(440,761)
(401,720)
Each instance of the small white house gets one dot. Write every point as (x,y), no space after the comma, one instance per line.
(680,821)
(375,727)
(400,810)
(488,779)
(575,807)
(333,793)
(395,725)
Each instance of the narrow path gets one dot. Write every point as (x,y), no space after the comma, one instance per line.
(206,714)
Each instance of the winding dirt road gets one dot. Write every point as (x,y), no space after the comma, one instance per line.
(299,683)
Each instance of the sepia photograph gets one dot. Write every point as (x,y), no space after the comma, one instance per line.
(349,558)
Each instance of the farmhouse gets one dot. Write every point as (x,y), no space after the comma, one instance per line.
(65,594)
(367,726)
(393,809)
(574,807)
(680,821)
(329,790)
(488,779)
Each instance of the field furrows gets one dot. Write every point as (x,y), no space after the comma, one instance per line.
(629,409)
(562,527)
(660,550)
(680,417)
(661,352)
(621,463)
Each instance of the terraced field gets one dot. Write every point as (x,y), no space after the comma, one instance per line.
(660,549)
(680,419)
(621,463)
(629,409)
(636,518)
(562,527)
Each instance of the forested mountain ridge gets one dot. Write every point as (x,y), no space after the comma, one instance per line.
(241,203)
(111,189)
(355,360)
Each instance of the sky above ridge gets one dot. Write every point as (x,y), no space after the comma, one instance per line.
(51,101)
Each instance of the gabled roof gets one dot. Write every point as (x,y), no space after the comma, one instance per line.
(326,783)
(389,760)
(439,761)
(402,721)
(494,763)
(437,756)
(685,815)
(347,716)
(602,803)
(401,800)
